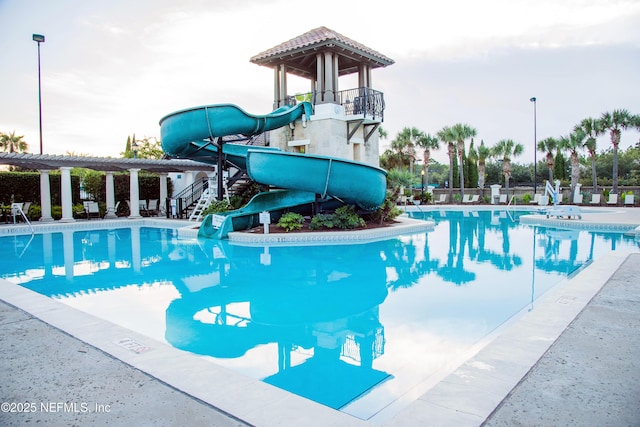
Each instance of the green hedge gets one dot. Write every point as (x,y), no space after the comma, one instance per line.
(25,187)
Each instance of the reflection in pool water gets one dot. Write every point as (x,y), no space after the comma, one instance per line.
(357,327)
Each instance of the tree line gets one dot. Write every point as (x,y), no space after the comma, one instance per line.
(469,166)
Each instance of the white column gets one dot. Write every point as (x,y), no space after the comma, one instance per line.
(283,84)
(319,78)
(276,87)
(65,192)
(328,77)
(134,194)
(111,196)
(336,73)
(164,193)
(45,197)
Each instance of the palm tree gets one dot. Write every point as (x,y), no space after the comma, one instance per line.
(589,127)
(484,153)
(461,133)
(13,143)
(471,164)
(615,122)
(446,135)
(573,143)
(406,142)
(427,143)
(507,148)
(548,145)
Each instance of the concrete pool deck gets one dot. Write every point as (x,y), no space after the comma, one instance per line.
(544,369)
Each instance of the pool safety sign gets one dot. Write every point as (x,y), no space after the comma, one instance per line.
(216,220)
(265,219)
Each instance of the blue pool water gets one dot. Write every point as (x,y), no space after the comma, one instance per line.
(358,327)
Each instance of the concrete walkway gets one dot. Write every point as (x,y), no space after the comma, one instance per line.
(591,375)
(53,378)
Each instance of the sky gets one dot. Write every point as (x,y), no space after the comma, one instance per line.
(110,69)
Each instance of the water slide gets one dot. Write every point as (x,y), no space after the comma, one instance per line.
(195,134)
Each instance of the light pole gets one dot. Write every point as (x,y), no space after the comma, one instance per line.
(134,147)
(422,180)
(535,146)
(39,38)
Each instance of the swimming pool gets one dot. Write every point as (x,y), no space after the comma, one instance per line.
(356,327)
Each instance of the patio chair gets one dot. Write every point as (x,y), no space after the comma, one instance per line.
(613,199)
(16,209)
(595,199)
(628,200)
(441,199)
(113,210)
(92,209)
(142,208)
(152,207)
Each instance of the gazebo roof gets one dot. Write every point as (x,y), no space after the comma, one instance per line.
(107,164)
(299,53)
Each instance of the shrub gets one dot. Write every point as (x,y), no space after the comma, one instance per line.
(322,221)
(217,206)
(387,212)
(526,198)
(290,221)
(346,218)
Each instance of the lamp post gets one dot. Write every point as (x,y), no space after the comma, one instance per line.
(39,38)
(535,146)
(134,147)
(422,180)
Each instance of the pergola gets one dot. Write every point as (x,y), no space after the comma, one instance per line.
(44,163)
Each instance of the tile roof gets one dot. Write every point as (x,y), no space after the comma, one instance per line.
(321,37)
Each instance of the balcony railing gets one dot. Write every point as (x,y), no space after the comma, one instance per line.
(363,101)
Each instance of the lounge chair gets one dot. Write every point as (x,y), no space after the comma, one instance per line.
(536,199)
(577,198)
(475,199)
(628,200)
(466,199)
(503,199)
(565,211)
(441,199)
(595,199)
(613,199)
